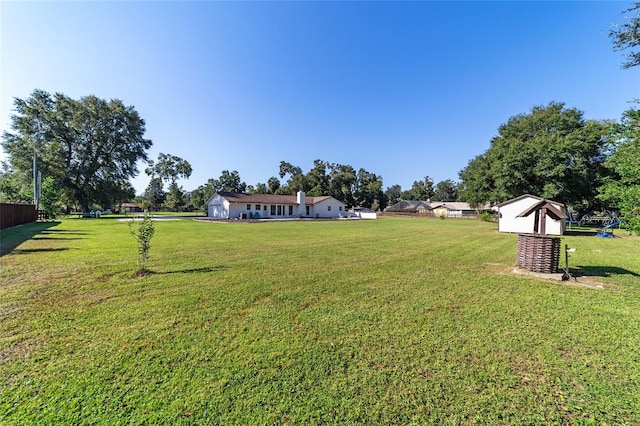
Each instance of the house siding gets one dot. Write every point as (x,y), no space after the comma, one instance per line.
(240,211)
(219,207)
(508,221)
(328,208)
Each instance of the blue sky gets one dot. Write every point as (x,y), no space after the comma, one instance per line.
(402,89)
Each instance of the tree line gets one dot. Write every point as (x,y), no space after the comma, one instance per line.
(359,188)
(86,151)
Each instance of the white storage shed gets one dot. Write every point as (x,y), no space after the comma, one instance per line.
(517,215)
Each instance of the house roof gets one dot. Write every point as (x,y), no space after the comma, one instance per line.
(235,197)
(409,205)
(452,205)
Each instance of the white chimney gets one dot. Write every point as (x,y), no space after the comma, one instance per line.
(301,203)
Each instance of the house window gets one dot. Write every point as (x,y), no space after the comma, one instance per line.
(273,210)
(340,208)
(248,206)
(328,208)
(265,208)
(307,211)
(258,207)
(279,210)
(290,210)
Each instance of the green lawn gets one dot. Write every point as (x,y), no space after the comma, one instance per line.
(393,321)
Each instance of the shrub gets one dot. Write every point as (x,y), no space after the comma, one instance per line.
(143,235)
(486,216)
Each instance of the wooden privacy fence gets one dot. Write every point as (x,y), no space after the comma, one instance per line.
(16,214)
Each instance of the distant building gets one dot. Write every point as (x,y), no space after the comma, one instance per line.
(452,209)
(410,206)
(233,205)
(362,213)
(129,208)
(434,208)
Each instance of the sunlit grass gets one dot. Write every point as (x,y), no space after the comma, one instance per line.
(393,321)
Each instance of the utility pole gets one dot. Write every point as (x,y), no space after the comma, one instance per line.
(37,178)
(35,171)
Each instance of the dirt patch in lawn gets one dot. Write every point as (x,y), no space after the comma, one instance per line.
(574,280)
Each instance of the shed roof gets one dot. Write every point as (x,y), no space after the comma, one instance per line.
(551,210)
(523,196)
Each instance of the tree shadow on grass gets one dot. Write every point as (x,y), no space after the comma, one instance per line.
(581,233)
(601,271)
(63,232)
(38,250)
(203,270)
(12,238)
(46,238)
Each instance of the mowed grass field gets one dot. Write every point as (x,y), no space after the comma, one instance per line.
(392,321)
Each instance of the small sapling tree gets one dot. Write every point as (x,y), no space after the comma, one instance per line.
(143,234)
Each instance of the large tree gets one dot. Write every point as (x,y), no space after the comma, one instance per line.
(369,192)
(344,184)
(201,194)
(477,186)
(420,190)
(622,188)
(86,145)
(227,182)
(296,182)
(627,36)
(114,195)
(169,168)
(230,182)
(393,194)
(15,186)
(175,197)
(260,188)
(155,195)
(50,198)
(121,195)
(317,180)
(551,152)
(273,184)
(446,190)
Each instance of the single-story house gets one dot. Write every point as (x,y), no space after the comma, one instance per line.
(410,206)
(520,215)
(452,209)
(233,205)
(433,208)
(129,208)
